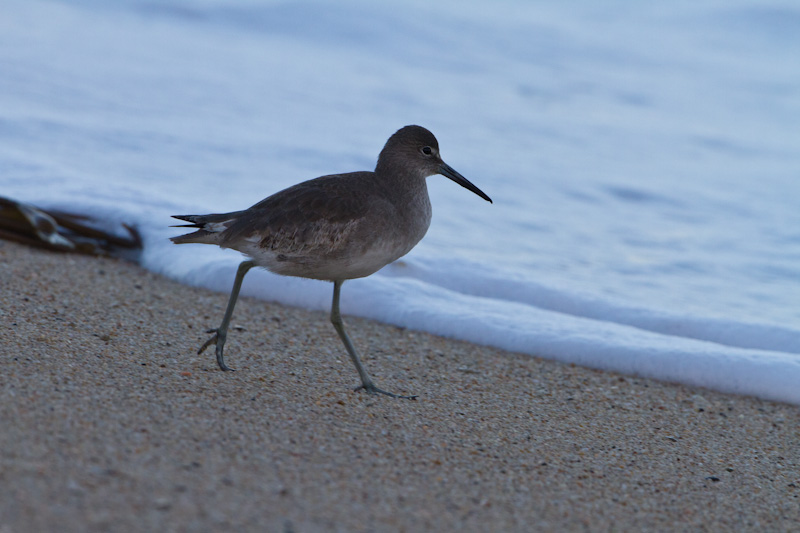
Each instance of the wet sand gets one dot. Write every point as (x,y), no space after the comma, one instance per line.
(111,422)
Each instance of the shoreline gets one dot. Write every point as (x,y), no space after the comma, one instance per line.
(112,422)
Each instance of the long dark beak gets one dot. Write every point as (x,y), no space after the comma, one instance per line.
(448,171)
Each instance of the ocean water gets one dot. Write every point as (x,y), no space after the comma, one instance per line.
(643,159)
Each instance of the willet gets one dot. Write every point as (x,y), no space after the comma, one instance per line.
(333,228)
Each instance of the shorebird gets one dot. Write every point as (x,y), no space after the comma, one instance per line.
(333,228)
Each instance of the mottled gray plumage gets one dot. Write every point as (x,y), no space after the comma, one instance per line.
(334,228)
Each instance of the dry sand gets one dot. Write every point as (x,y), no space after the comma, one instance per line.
(110,422)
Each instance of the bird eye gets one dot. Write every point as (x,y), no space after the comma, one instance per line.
(426,150)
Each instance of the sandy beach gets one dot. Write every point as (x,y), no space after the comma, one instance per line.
(111,422)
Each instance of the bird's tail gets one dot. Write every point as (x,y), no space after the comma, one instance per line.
(209,227)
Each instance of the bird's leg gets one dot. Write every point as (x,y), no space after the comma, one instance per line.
(221,333)
(336,319)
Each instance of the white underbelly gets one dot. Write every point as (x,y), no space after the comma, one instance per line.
(341,266)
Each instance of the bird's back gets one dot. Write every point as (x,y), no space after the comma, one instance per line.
(335,227)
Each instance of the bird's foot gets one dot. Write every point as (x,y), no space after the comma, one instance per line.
(219,341)
(372,389)
(209,342)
